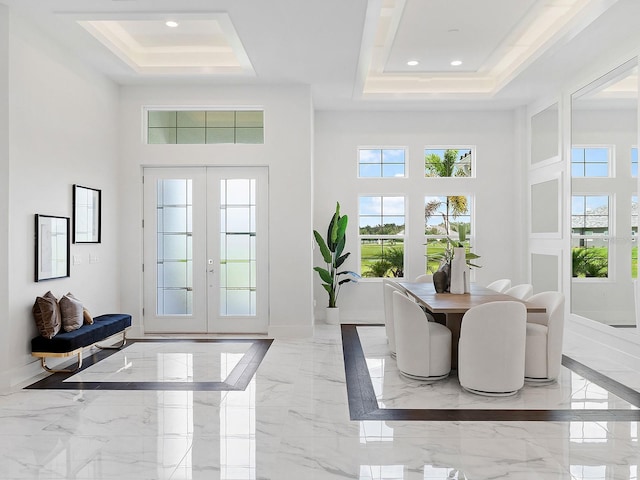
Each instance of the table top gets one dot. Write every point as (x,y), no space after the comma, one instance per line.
(425,293)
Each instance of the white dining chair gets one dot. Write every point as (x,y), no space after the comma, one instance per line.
(423,348)
(424,278)
(491,349)
(544,338)
(389,286)
(521,292)
(500,285)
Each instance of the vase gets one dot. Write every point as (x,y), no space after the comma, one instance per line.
(441,278)
(332,315)
(467,281)
(458,267)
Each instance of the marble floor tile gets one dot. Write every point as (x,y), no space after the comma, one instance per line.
(293,421)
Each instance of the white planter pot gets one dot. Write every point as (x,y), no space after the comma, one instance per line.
(332,315)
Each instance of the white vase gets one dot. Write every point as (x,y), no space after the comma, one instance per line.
(467,281)
(458,266)
(332,315)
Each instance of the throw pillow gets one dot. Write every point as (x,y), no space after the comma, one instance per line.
(47,315)
(71,309)
(88,318)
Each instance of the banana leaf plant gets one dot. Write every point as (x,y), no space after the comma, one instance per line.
(332,250)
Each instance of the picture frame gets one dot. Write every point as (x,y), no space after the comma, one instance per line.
(52,247)
(87,214)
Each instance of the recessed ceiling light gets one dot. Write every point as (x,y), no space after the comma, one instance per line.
(456,63)
(171,23)
(412,63)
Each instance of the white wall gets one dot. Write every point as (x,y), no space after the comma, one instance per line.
(62,131)
(287,152)
(497,190)
(4,178)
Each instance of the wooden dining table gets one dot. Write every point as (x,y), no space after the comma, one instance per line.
(454,306)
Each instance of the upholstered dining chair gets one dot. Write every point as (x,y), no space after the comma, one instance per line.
(423,348)
(521,292)
(424,278)
(389,286)
(500,285)
(544,338)
(491,349)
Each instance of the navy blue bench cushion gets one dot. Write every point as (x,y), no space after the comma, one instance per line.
(113,323)
(103,326)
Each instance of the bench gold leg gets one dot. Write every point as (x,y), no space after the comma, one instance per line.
(43,362)
(121,344)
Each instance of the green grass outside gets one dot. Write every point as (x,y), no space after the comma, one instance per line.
(369,253)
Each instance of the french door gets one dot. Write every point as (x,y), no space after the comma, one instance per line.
(205,250)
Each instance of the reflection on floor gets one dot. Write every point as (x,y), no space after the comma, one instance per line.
(167,365)
(292,422)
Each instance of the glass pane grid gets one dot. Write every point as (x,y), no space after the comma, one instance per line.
(237,247)
(205,127)
(174,247)
(381,163)
(590,161)
(381,229)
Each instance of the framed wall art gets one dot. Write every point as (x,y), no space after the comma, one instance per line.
(52,247)
(87,213)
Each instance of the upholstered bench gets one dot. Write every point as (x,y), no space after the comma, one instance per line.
(67,344)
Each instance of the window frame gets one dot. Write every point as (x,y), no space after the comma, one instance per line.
(382,149)
(383,236)
(470,235)
(611,260)
(611,155)
(190,108)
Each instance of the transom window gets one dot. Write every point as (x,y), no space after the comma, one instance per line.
(449,162)
(590,161)
(200,126)
(382,233)
(590,236)
(381,162)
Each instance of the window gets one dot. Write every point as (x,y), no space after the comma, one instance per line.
(590,161)
(381,162)
(590,235)
(450,162)
(199,126)
(382,232)
(445,218)
(634,162)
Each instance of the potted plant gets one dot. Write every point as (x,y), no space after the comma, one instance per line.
(442,277)
(332,250)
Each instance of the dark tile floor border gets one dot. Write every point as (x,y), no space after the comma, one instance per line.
(238,378)
(364,406)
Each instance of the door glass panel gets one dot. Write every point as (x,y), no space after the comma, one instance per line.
(175,259)
(237,247)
